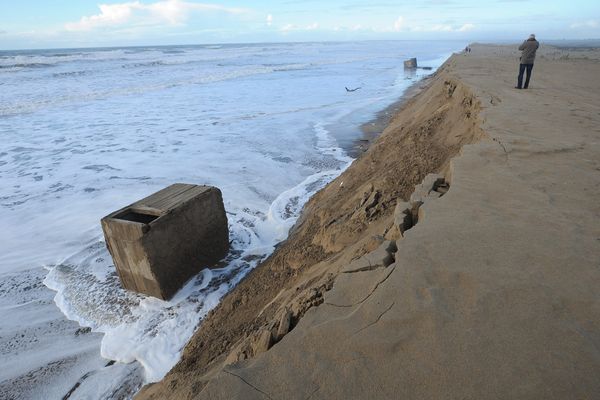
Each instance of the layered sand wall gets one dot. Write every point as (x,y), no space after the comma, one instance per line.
(350,217)
(481,283)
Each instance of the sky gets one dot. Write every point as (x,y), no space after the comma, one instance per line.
(30,24)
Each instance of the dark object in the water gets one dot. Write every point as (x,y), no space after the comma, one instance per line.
(411,63)
(161,241)
(352,90)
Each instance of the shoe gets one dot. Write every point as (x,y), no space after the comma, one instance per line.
(516,87)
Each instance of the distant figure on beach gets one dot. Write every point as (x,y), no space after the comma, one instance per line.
(528,49)
(467,49)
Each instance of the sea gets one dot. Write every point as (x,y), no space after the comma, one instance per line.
(84,132)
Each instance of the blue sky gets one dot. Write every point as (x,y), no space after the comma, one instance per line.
(83,23)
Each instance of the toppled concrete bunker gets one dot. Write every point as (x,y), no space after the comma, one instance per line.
(411,63)
(161,241)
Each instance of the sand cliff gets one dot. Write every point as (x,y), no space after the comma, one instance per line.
(481,283)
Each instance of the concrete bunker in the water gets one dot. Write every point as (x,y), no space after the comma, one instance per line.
(160,242)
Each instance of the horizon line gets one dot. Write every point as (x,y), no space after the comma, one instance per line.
(496,41)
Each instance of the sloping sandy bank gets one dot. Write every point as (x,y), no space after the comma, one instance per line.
(492,294)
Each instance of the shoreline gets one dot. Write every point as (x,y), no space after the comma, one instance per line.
(373,128)
(478,281)
(298,254)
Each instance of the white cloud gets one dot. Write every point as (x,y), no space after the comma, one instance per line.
(402,25)
(110,14)
(291,27)
(437,28)
(269,20)
(288,27)
(586,24)
(172,12)
(357,28)
(466,27)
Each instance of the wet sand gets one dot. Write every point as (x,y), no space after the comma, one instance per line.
(49,355)
(372,129)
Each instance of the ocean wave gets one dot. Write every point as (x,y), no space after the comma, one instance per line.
(51,59)
(26,65)
(154,63)
(64,54)
(327,145)
(27,106)
(70,74)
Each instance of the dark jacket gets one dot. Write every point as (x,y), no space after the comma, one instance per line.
(529,48)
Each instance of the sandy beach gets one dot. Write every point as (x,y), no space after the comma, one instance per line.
(457,258)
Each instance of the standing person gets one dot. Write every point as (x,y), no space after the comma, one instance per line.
(528,48)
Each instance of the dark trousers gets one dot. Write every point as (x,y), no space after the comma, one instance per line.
(522,68)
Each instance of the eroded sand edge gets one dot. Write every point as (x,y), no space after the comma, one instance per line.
(488,289)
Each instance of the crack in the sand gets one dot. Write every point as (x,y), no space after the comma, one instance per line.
(313,392)
(376,320)
(369,267)
(369,295)
(248,383)
(501,145)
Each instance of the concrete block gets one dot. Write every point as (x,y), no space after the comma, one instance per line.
(161,241)
(411,63)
